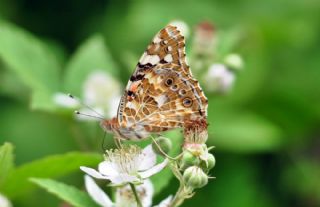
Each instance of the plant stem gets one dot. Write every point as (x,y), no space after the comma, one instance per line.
(178,199)
(182,194)
(134,191)
(183,191)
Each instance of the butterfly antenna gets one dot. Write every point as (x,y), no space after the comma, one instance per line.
(88,115)
(86,106)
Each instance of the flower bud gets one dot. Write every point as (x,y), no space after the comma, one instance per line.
(164,143)
(189,159)
(195,177)
(195,132)
(209,163)
(234,61)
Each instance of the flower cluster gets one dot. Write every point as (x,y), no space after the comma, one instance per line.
(213,59)
(195,162)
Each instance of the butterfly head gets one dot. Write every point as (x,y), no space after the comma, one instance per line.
(109,125)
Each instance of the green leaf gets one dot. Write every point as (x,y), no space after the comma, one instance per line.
(51,166)
(67,193)
(6,161)
(32,62)
(243,132)
(91,56)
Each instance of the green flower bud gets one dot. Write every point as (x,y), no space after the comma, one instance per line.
(188,159)
(164,143)
(234,61)
(209,163)
(195,177)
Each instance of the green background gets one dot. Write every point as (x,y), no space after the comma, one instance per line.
(266,131)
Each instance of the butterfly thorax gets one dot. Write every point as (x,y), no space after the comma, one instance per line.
(109,126)
(112,126)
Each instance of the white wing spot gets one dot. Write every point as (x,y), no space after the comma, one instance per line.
(153,59)
(169,48)
(168,58)
(131,105)
(161,100)
(156,39)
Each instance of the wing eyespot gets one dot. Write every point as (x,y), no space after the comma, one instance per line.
(187,102)
(168,82)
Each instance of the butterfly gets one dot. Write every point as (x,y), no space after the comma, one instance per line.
(161,94)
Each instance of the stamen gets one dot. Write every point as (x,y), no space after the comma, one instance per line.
(126,158)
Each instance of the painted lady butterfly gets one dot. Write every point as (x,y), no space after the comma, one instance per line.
(161,93)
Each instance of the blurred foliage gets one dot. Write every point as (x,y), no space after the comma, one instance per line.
(266,130)
(70,194)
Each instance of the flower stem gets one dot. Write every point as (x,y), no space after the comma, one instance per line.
(183,191)
(182,194)
(134,191)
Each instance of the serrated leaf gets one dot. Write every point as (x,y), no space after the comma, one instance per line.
(91,56)
(49,167)
(65,192)
(32,62)
(6,161)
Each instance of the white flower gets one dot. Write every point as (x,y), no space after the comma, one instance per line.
(101,97)
(101,90)
(182,27)
(219,78)
(4,202)
(127,165)
(64,100)
(124,196)
(96,193)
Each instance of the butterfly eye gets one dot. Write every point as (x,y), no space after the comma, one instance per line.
(169,81)
(187,102)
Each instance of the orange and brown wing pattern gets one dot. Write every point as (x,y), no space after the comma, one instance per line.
(161,94)
(167,46)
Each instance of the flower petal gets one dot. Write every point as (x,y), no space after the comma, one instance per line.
(155,169)
(122,178)
(4,202)
(108,168)
(125,198)
(149,158)
(165,202)
(64,100)
(96,193)
(93,173)
(146,191)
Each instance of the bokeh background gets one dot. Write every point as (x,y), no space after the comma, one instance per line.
(266,130)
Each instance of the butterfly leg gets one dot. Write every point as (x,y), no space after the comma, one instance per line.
(117,142)
(162,152)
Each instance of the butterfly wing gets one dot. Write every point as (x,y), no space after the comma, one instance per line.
(162,94)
